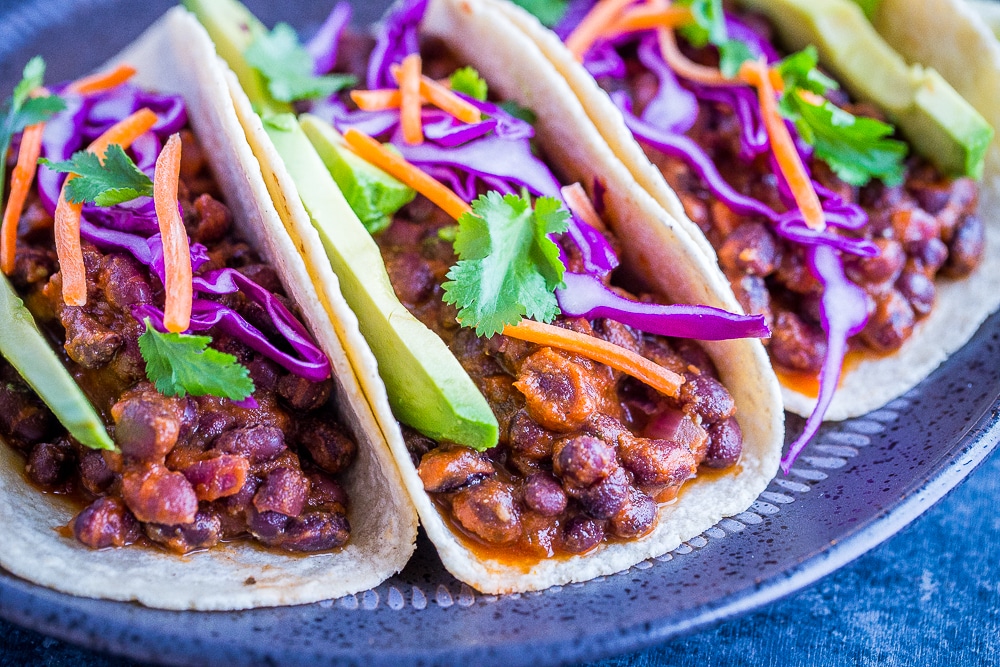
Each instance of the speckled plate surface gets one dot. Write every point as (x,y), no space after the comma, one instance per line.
(856,485)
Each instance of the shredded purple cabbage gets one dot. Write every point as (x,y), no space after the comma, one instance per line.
(575,11)
(325,43)
(132,227)
(603,60)
(586,296)
(398,37)
(674,108)
(844,313)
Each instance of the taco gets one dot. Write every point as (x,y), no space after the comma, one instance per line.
(902,213)
(199,434)
(536,454)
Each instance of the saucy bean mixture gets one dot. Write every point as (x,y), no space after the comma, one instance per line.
(924,228)
(194,471)
(585,453)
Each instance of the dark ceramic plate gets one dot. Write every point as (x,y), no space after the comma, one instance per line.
(855,486)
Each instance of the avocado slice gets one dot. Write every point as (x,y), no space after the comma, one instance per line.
(936,120)
(233,27)
(373,194)
(428,389)
(24,346)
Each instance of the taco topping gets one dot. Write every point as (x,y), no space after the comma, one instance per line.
(227,435)
(598,421)
(819,219)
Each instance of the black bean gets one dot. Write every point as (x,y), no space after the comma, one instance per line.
(884,267)
(447,469)
(706,396)
(603,499)
(204,532)
(581,534)
(157,495)
(583,460)
(919,290)
(257,443)
(636,517)
(329,446)
(95,475)
(50,463)
(316,531)
(544,495)
(725,444)
(795,345)
(88,342)
(890,324)
(656,462)
(217,477)
(285,490)
(489,511)
(529,439)
(105,523)
(749,249)
(965,250)
(302,394)
(147,425)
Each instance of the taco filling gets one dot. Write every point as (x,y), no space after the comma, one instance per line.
(822,219)
(219,407)
(597,419)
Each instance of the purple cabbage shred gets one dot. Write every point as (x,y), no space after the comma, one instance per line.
(325,43)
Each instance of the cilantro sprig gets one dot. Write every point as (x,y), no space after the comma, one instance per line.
(288,67)
(466,80)
(508,267)
(20,110)
(115,180)
(856,148)
(709,27)
(548,12)
(182,364)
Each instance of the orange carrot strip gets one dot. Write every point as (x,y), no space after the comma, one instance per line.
(20,185)
(377,100)
(579,203)
(647,18)
(684,67)
(176,252)
(101,81)
(659,378)
(410,104)
(67,217)
(593,24)
(374,152)
(447,101)
(757,75)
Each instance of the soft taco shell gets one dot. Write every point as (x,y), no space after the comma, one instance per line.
(922,31)
(654,248)
(176,56)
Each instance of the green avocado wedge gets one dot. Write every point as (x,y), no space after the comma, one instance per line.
(24,346)
(936,120)
(232,27)
(428,389)
(372,194)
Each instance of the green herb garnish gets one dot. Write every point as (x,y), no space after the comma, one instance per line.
(181,364)
(508,267)
(19,111)
(856,148)
(709,27)
(548,12)
(467,80)
(113,181)
(288,67)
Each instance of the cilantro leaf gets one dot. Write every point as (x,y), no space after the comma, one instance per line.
(508,267)
(288,67)
(182,364)
(799,71)
(115,181)
(548,12)
(732,54)
(856,148)
(519,112)
(709,25)
(20,110)
(467,80)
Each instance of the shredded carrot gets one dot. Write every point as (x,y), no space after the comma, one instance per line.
(176,251)
(579,203)
(66,224)
(684,67)
(20,185)
(593,25)
(372,151)
(646,18)
(664,381)
(757,75)
(377,100)
(410,103)
(443,98)
(101,81)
